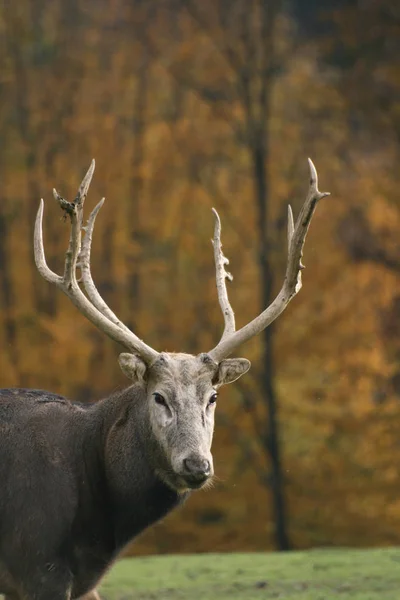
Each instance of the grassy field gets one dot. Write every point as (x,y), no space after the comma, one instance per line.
(313,575)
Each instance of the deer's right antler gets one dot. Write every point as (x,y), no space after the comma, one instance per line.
(92,307)
(231,339)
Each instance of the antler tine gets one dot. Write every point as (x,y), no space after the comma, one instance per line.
(84,187)
(68,282)
(221,276)
(40,257)
(290,226)
(84,265)
(292,282)
(75,211)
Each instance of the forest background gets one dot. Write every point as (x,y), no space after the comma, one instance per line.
(189,104)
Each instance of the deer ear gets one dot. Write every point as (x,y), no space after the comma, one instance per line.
(132,366)
(231,369)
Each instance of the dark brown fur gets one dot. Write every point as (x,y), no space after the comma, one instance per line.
(78,483)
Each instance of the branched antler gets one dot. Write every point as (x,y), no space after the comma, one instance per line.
(222,275)
(292,283)
(94,308)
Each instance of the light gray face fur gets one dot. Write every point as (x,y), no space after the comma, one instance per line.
(181,395)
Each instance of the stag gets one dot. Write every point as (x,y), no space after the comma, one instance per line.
(80,482)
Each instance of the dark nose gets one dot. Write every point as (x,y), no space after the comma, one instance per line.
(197,468)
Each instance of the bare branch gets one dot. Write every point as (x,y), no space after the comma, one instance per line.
(292,282)
(68,283)
(227,51)
(221,276)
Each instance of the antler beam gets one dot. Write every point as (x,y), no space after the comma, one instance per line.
(222,275)
(86,275)
(231,339)
(78,254)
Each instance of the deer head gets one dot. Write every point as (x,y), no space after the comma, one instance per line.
(180,389)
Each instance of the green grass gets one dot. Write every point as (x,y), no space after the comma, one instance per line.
(313,575)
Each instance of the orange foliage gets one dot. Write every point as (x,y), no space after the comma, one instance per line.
(152,97)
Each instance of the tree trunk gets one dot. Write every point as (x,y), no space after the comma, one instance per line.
(272,442)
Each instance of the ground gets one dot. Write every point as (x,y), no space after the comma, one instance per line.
(311,575)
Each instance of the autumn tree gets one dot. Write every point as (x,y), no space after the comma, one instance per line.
(363,44)
(186,106)
(249,49)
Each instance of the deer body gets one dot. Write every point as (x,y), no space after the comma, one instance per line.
(77,483)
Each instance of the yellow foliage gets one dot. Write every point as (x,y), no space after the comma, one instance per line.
(167,125)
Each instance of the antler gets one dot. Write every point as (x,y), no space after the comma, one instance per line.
(78,255)
(231,339)
(221,275)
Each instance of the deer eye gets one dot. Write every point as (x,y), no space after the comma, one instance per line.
(213,399)
(159,399)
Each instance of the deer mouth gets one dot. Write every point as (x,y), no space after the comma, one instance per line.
(195,483)
(182,482)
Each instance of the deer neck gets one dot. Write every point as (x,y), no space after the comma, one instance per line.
(137,496)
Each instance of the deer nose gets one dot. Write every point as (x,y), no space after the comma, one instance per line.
(197,467)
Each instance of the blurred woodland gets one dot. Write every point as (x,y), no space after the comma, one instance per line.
(189,104)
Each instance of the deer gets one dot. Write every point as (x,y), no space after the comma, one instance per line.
(80,482)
